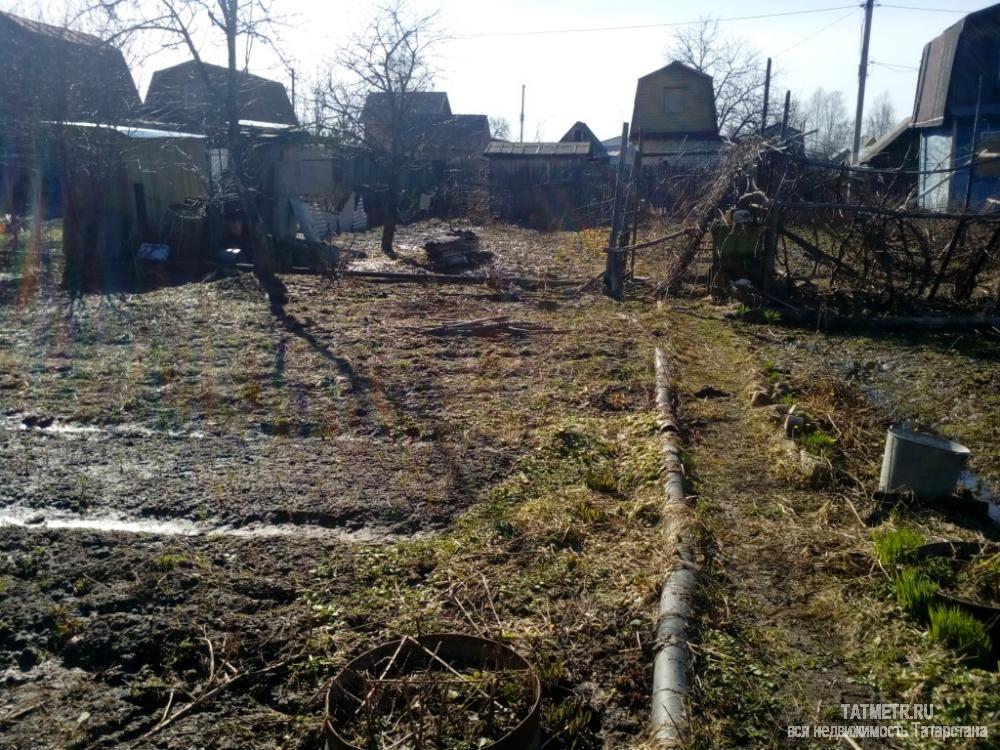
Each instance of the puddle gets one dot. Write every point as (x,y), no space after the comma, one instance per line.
(982,491)
(51,426)
(35,518)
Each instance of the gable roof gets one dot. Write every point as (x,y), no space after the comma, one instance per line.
(421,103)
(699,118)
(937,64)
(55,73)
(586,135)
(55,32)
(260,99)
(676,65)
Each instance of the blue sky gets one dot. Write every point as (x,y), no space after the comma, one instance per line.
(591,76)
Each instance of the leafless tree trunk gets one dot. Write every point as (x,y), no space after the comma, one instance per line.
(383,68)
(179,23)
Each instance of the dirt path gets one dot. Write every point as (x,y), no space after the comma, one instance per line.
(795,616)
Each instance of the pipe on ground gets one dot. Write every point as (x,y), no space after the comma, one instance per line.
(669,718)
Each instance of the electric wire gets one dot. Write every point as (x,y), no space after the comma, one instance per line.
(669,24)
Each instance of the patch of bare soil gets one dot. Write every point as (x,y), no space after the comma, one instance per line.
(101,632)
(517,474)
(516,251)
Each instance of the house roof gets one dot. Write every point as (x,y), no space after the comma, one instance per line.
(260,99)
(587,135)
(131,131)
(57,73)
(55,32)
(505,148)
(462,130)
(903,127)
(421,103)
(699,121)
(936,66)
(676,64)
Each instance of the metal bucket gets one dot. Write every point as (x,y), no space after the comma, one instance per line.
(453,648)
(926,465)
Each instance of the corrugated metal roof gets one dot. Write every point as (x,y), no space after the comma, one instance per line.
(937,64)
(505,148)
(935,74)
(129,131)
(54,32)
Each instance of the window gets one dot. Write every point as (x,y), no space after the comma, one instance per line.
(988,155)
(218,163)
(673,100)
(192,95)
(578,135)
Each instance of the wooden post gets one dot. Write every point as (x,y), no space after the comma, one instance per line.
(613,271)
(767,96)
(784,116)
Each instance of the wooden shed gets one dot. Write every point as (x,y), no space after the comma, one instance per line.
(674,120)
(119,183)
(549,185)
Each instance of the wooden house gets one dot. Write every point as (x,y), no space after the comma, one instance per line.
(960,73)
(57,74)
(580,133)
(446,170)
(191,96)
(674,120)
(51,75)
(562,185)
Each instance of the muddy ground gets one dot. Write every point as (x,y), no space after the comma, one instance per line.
(312,480)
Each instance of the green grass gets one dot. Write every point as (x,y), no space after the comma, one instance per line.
(818,442)
(915,592)
(957,628)
(895,546)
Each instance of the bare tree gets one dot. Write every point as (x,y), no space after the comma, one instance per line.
(187,24)
(384,68)
(500,128)
(737,71)
(826,116)
(881,117)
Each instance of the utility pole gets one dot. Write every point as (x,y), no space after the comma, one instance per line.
(521,139)
(293,90)
(862,77)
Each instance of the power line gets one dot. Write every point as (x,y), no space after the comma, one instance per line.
(895,68)
(805,39)
(540,32)
(929,10)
